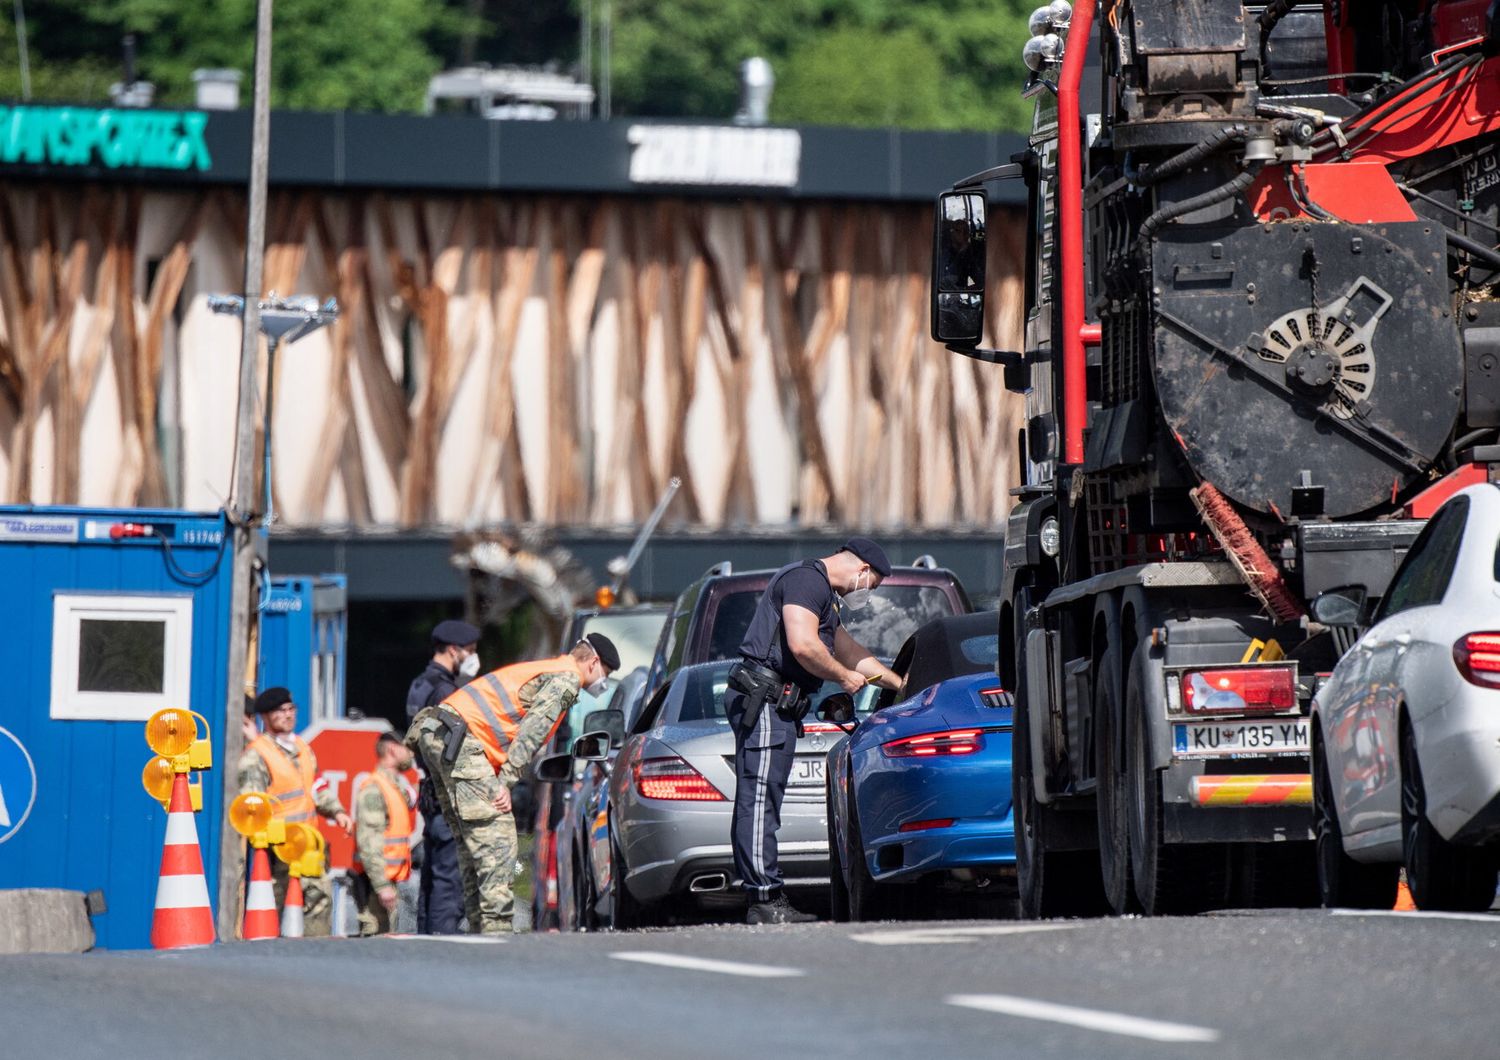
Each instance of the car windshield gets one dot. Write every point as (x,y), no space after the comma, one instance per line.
(698,695)
(634,635)
(893,614)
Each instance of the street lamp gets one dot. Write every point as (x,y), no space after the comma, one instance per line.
(281,320)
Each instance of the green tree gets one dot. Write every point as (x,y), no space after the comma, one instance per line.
(862,77)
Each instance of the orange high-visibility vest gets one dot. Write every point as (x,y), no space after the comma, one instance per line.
(492,707)
(291,782)
(397,851)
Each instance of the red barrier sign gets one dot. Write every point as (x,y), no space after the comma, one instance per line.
(346,755)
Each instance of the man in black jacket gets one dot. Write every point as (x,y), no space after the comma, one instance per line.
(455,659)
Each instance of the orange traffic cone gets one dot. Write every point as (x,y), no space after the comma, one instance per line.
(183,916)
(260,900)
(1404,902)
(291,913)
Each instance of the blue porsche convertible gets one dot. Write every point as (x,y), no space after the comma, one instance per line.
(919,792)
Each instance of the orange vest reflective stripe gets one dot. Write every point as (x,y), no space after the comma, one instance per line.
(291,782)
(397,851)
(491,704)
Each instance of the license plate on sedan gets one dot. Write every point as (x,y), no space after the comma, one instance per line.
(807,772)
(1239,737)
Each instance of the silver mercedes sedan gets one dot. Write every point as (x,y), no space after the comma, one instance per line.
(662,843)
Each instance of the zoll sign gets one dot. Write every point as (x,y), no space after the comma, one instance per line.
(346,756)
(715,155)
(116,139)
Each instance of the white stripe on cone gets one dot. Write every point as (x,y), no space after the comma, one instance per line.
(181,892)
(181,831)
(261,897)
(291,922)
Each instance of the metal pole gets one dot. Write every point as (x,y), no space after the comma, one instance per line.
(585,42)
(242,496)
(606,59)
(639,544)
(25,56)
(272,344)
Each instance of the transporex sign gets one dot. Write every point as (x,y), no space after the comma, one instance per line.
(17,785)
(117,139)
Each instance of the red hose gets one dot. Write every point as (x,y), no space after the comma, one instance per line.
(1070,225)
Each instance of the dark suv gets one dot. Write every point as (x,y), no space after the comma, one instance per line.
(708,621)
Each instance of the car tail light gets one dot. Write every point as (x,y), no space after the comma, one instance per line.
(1261,688)
(995,697)
(933,744)
(936,822)
(673,779)
(1478,658)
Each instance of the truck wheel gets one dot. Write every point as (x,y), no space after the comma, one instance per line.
(1111,795)
(1050,883)
(1281,875)
(1169,877)
(1343,883)
(1441,875)
(838,889)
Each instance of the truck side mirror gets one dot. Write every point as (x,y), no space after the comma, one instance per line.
(610,721)
(958,267)
(1340,608)
(554,769)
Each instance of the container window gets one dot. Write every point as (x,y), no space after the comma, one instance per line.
(120,658)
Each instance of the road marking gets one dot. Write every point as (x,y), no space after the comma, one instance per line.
(469,939)
(1087,1018)
(949,935)
(1486,918)
(702,964)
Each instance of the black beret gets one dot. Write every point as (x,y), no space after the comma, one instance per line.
(605,648)
(871,553)
(454,631)
(271,699)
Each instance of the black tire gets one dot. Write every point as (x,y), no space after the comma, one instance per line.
(1111,796)
(1343,883)
(1441,875)
(1170,878)
(866,902)
(626,913)
(1050,883)
(838,889)
(585,913)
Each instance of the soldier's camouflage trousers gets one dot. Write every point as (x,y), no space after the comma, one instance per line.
(466,788)
(317,907)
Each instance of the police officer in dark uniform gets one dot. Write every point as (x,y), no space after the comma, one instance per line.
(795,642)
(455,660)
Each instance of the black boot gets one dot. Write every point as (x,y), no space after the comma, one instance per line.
(777,911)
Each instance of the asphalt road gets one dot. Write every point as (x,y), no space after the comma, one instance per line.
(1269,986)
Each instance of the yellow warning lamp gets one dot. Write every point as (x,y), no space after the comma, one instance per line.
(157,777)
(303,849)
(173,734)
(254,816)
(604,596)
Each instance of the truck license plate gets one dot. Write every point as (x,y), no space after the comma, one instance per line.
(807,772)
(1239,737)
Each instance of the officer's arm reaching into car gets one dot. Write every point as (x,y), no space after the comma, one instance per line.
(850,663)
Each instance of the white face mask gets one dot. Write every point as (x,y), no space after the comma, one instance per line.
(596,689)
(856,598)
(470,666)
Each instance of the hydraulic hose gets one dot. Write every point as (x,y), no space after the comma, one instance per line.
(1472,247)
(1199,151)
(1224,191)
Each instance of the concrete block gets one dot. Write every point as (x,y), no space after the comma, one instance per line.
(40,920)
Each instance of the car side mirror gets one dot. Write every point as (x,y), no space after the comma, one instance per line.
(958,268)
(592,746)
(554,769)
(609,721)
(1340,608)
(837,708)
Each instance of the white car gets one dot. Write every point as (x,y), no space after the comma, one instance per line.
(1406,731)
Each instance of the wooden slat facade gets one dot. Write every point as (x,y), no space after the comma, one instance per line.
(505,359)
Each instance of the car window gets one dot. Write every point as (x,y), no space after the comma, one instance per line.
(634,634)
(730,622)
(982,651)
(1426,570)
(652,709)
(698,695)
(893,614)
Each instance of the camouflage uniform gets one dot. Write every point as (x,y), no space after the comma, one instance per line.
(317,912)
(370,820)
(467,788)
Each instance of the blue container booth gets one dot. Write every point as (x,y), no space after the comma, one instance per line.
(110,615)
(303,633)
